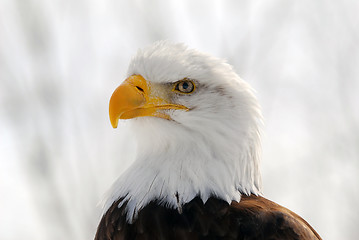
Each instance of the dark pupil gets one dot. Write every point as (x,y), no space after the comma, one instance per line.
(185,85)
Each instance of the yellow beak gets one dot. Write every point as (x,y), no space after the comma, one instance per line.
(134,98)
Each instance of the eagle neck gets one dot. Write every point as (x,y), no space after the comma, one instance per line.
(174,170)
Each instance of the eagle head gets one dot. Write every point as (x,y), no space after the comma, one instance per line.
(197,126)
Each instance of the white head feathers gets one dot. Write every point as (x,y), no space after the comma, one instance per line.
(211,150)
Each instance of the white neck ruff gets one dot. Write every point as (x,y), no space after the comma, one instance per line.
(175,164)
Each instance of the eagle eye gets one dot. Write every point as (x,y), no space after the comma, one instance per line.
(184,86)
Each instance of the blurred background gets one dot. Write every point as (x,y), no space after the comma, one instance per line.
(61,60)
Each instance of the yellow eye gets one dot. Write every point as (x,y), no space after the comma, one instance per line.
(184,86)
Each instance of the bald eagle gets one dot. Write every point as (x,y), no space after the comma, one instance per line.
(196,173)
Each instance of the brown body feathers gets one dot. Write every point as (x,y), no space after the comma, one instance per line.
(253,217)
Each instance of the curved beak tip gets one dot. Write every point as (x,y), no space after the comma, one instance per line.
(113,116)
(114,122)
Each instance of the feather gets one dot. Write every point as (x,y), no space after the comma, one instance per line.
(254,217)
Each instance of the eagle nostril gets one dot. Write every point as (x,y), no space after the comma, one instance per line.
(140,89)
